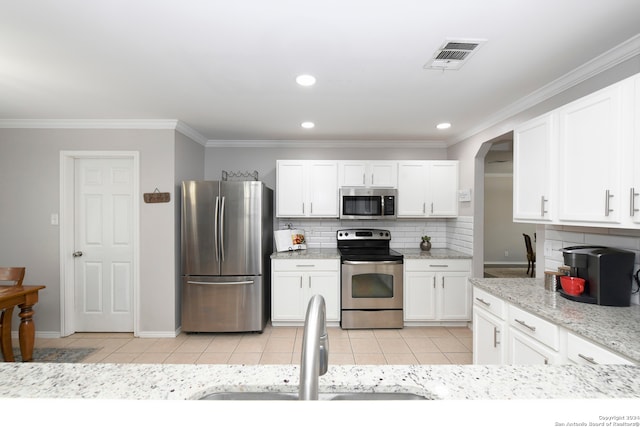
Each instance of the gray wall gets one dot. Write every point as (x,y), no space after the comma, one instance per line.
(263,160)
(30,193)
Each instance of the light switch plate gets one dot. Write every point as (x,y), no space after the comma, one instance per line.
(464,195)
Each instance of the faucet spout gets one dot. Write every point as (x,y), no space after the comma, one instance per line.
(315,349)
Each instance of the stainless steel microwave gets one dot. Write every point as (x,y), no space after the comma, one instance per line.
(368,203)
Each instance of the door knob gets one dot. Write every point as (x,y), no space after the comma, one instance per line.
(76,254)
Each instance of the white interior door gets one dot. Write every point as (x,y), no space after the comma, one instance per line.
(103,239)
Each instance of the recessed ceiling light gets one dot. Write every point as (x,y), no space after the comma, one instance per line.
(443,125)
(305,80)
(308,125)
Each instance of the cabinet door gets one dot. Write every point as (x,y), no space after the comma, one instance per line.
(527,351)
(589,164)
(290,188)
(287,296)
(488,331)
(419,296)
(442,185)
(383,174)
(634,195)
(353,173)
(411,189)
(455,295)
(327,284)
(323,189)
(533,170)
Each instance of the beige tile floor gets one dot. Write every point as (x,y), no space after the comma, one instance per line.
(279,345)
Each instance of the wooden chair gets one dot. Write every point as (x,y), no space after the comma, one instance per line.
(13,276)
(531,255)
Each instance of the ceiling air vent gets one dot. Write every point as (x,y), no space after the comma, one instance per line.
(453,54)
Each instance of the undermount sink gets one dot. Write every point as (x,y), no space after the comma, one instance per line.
(272,395)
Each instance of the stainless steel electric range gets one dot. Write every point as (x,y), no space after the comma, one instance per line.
(371,279)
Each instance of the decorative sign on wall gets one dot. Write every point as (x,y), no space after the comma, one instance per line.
(157,197)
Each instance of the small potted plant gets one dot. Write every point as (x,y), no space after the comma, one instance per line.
(425,245)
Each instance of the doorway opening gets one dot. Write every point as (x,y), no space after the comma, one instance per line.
(70,216)
(500,248)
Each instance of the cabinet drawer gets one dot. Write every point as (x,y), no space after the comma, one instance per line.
(306,265)
(490,303)
(543,331)
(584,352)
(437,265)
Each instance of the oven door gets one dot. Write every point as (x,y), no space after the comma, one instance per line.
(371,285)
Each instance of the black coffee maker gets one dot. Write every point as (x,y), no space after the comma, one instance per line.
(608,274)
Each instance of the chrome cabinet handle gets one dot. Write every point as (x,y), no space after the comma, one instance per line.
(77,254)
(424,208)
(439,265)
(542,203)
(488,304)
(632,202)
(588,359)
(523,323)
(364,179)
(495,337)
(607,198)
(306,265)
(431,207)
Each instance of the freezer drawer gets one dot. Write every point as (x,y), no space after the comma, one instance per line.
(224,304)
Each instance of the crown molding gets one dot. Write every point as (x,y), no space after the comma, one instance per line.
(615,56)
(191,133)
(214,143)
(86,124)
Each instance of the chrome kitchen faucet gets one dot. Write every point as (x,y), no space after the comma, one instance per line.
(315,349)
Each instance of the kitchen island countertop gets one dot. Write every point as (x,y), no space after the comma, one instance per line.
(191,381)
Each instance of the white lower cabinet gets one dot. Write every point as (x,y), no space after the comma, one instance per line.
(525,350)
(506,334)
(584,352)
(489,329)
(437,290)
(294,282)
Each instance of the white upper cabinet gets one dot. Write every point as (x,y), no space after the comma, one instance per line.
(634,191)
(590,158)
(363,173)
(577,164)
(533,164)
(428,188)
(307,188)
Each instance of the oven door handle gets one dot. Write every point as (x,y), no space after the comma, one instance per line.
(370,262)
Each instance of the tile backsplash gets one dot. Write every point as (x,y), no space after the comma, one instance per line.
(454,233)
(558,237)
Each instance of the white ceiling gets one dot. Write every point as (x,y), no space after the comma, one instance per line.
(227,68)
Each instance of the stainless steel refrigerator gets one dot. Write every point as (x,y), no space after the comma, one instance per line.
(227,241)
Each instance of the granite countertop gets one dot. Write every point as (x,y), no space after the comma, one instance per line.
(190,381)
(617,328)
(333,253)
(315,253)
(433,254)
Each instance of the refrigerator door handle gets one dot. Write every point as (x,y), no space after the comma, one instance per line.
(222,229)
(215,229)
(243,282)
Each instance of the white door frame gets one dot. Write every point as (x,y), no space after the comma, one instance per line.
(67,242)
